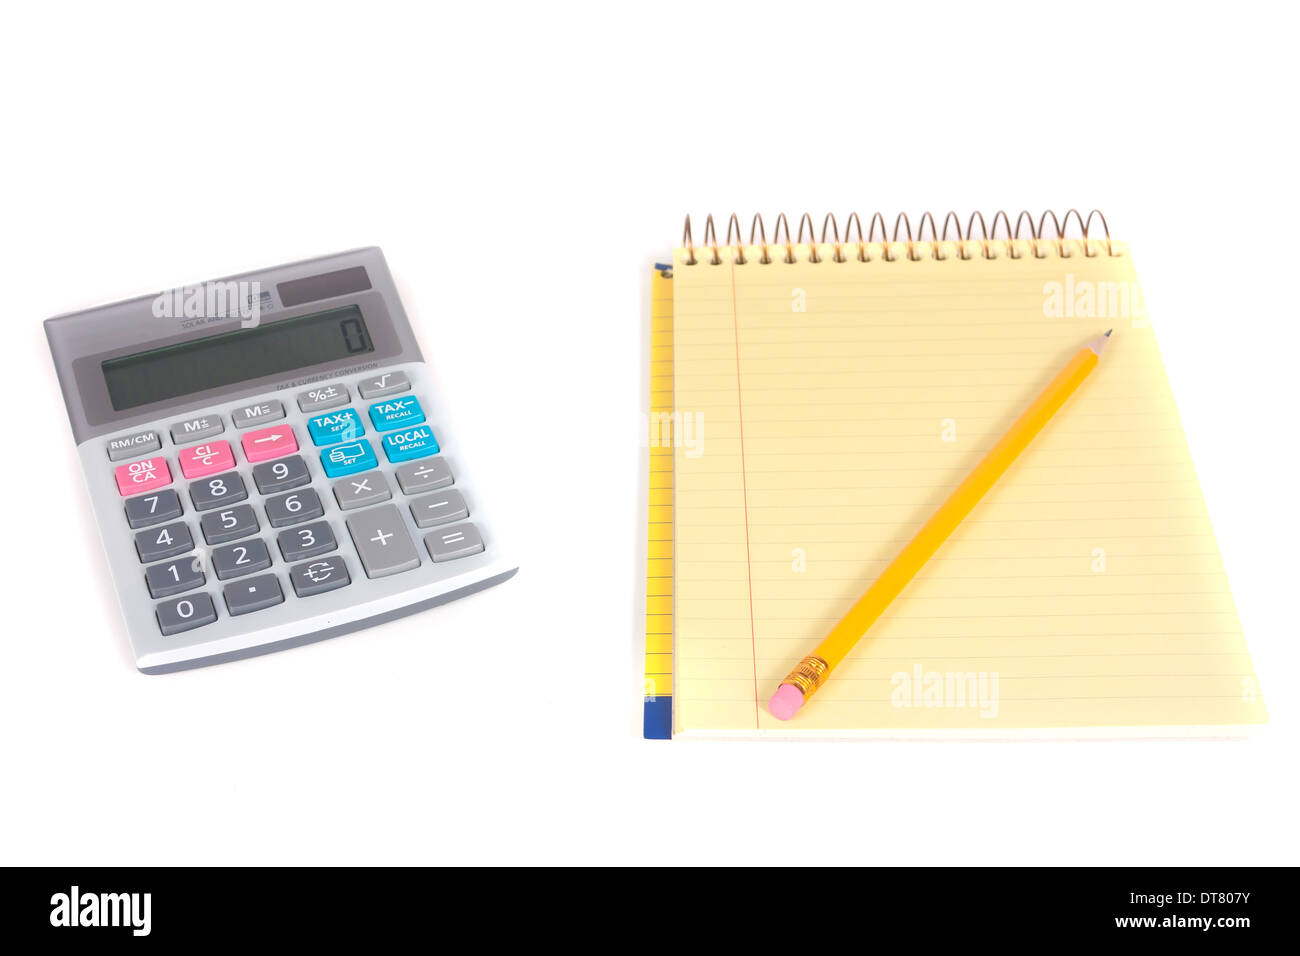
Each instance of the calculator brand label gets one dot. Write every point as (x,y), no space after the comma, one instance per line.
(197,305)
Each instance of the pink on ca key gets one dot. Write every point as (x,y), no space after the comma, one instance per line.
(206,459)
(143,475)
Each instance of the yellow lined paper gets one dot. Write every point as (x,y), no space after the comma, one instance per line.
(1085,591)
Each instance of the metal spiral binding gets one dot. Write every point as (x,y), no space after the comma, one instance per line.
(830,235)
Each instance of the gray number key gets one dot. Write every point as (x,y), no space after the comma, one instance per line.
(184,613)
(294,507)
(357,491)
(307,541)
(382,542)
(235,560)
(175,576)
(426,475)
(145,510)
(164,542)
(317,577)
(439,508)
(281,474)
(229,524)
(253,594)
(388,383)
(217,491)
(448,544)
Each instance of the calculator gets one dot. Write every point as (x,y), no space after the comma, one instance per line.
(269,461)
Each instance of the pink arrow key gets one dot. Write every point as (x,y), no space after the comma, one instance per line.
(269,443)
(206,459)
(143,475)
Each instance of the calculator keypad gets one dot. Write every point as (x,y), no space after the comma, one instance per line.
(379,496)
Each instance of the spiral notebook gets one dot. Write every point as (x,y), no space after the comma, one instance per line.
(829,394)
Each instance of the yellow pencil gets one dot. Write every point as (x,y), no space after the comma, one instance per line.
(811,672)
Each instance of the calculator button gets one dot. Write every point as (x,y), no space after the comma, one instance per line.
(249,415)
(193,429)
(396,413)
(448,544)
(438,508)
(234,560)
(342,460)
(421,476)
(317,577)
(173,577)
(361,490)
(382,542)
(335,427)
(269,443)
(143,475)
(307,541)
(145,510)
(215,492)
(281,475)
(166,541)
(198,461)
(294,507)
(185,613)
(128,446)
(410,443)
(321,397)
(389,383)
(253,594)
(229,524)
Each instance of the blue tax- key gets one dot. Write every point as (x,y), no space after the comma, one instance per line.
(396,413)
(343,425)
(348,458)
(410,443)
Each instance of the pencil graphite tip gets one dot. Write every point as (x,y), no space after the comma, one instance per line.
(1098,344)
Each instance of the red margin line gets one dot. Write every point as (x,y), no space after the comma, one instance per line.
(744,488)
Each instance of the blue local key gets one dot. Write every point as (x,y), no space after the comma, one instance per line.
(396,413)
(410,443)
(343,425)
(348,458)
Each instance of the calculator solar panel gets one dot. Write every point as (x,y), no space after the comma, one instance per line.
(270,461)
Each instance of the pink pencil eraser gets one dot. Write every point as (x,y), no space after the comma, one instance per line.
(785,703)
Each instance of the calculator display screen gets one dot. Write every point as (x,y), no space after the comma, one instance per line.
(233,357)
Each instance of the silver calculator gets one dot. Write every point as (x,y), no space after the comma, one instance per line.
(269,461)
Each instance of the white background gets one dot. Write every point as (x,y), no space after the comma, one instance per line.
(521,167)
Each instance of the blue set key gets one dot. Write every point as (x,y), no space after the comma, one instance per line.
(334,427)
(410,443)
(396,413)
(348,458)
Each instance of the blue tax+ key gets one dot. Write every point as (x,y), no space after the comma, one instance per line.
(348,458)
(410,443)
(335,427)
(396,413)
